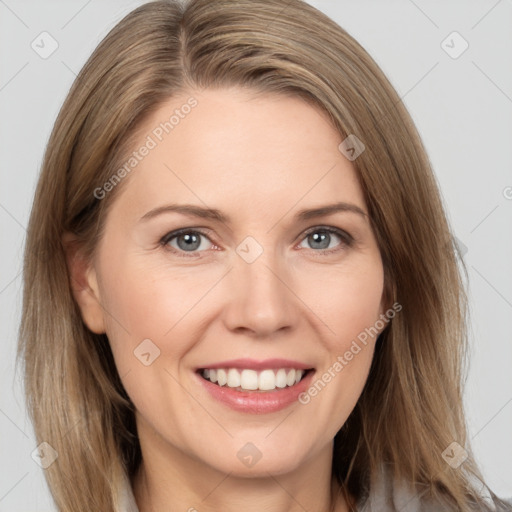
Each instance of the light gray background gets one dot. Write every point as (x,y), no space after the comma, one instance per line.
(462,108)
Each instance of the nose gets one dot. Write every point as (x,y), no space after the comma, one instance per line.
(261,299)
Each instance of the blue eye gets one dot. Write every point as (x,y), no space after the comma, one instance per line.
(321,237)
(186,240)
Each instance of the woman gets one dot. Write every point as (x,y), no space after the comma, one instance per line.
(255,369)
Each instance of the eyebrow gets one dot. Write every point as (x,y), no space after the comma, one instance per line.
(217,215)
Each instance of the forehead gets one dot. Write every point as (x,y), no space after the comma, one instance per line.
(234,147)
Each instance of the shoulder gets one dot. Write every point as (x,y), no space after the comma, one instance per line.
(384,495)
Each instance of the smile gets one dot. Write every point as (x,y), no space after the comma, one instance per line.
(255,387)
(254,380)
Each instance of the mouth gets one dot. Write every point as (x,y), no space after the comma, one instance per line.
(252,386)
(256,381)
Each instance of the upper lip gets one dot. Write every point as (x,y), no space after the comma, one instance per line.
(254,364)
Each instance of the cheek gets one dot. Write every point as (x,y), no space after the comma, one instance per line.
(149,332)
(349,304)
(348,301)
(147,301)
(153,315)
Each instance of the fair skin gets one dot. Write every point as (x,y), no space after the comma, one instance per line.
(259,160)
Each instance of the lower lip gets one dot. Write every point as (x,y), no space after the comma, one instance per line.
(257,402)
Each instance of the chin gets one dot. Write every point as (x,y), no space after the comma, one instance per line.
(248,461)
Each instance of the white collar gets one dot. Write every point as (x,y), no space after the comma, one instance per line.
(127,501)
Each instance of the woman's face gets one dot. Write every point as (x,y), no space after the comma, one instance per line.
(254,286)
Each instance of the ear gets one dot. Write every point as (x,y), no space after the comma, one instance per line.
(84,284)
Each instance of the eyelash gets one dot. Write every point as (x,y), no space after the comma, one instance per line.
(347,240)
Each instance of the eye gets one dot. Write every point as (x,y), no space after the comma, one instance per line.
(183,241)
(320,237)
(188,240)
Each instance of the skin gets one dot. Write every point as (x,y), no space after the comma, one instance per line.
(259,160)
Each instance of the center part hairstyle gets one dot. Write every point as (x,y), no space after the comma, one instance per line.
(411,407)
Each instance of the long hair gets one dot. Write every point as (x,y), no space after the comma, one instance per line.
(411,407)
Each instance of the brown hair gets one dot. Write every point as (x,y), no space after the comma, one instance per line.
(411,407)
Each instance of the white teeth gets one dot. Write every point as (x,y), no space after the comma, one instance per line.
(233,378)
(249,379)
(281,378)
(222,378)
(266,380)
